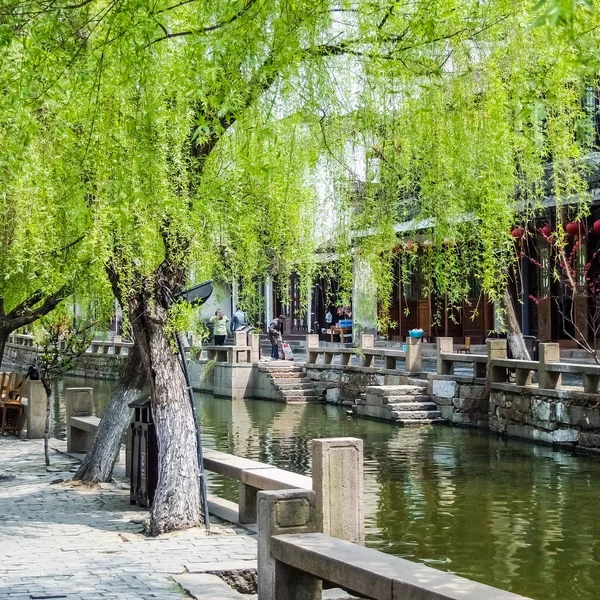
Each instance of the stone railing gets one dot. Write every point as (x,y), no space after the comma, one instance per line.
(299,548)
(105,347)
(367,353)
(337,481)
(110,347)
(447,359)
(503,370)
(245,349)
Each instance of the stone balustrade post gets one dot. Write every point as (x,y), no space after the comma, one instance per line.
(445,345)
(496,348)
(367,340)
(254,343)
(549,353)
(414,351)
(285,512)
(79,402)
(240,338)
(337,475)
(36,410)
(312,341)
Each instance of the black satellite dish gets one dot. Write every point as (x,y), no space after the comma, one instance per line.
(198,294)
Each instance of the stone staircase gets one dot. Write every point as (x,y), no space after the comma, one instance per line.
(289,382)
(407,405)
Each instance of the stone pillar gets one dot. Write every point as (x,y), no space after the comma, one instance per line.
(549,354)
(445,345)
(544,307)
(414,350)
(268,301)
(36,410)
(364,298)
(79,402)
(337,475)
(280,512)
(309,309)
(496,348)
(254,343)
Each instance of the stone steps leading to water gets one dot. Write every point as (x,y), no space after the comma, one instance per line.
(406,405)
(290,382)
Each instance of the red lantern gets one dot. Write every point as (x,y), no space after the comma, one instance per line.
(572,228)
(518,233)
(546,230)
(597,226)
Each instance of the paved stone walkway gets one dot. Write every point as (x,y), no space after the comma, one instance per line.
(58,540)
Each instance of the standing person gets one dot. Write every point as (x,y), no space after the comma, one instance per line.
(275,336)
(237,320)
(220,331)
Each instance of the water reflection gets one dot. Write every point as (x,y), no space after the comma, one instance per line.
(511,514)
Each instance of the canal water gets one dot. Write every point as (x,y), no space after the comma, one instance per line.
(511,514)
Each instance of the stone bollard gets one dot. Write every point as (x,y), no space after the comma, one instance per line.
(281,512)
(549,353)
(79,403)
(337,475)
(496,348)
(414,350)
(36,410)
(445,345)
(254,343)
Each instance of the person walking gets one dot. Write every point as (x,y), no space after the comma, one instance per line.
(275,336)
(220,327)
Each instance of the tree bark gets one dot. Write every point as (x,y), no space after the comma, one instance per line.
(99,462)
(4,333)
(47,426)
(177,501)
(515,336)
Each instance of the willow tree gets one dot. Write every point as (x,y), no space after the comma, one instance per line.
(43,254)
(200,126)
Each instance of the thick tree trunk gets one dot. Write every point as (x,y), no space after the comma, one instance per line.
(4,333)
(99,462)
(177,501)
(515,336)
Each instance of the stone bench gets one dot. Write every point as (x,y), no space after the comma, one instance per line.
(304,560)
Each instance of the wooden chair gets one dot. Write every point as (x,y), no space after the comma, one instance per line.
(11,404)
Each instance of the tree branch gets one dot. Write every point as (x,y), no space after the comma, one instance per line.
(208,29)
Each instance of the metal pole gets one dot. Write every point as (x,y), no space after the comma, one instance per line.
(198,436)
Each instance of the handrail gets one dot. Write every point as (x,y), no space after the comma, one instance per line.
(310,558)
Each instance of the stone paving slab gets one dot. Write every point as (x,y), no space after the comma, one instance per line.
(86,543)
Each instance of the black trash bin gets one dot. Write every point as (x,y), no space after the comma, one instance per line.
(144,453)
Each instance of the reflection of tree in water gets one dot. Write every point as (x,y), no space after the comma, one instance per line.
(507,513)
